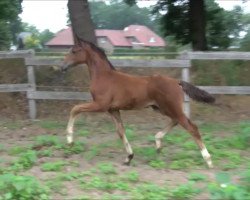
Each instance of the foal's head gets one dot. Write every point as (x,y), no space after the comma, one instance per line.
(77,55)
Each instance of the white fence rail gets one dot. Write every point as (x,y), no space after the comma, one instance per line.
(183,62)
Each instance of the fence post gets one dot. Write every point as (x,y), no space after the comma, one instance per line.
(185,75)
(32,102)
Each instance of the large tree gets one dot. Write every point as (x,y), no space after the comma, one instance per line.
(185,19)
(82,25)
(202,23)
(9,22)
(103,15)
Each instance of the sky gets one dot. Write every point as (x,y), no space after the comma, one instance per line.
(52,14)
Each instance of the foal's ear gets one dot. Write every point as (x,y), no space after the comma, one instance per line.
(75,49)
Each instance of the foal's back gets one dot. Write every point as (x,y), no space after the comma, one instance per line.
(132,92)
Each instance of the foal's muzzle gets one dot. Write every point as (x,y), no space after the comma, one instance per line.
(65,66)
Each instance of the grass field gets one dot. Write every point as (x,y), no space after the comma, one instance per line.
(36,162)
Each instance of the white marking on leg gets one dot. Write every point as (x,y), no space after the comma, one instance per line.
(70,130)
(158,138)
(207,157)
(127,146)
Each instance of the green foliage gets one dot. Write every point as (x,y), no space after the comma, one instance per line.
(5,35)
(106,168)
(32,42)
(184,191)
(149,191)
(222,26)
(45,153)
(197,177)
(9,20)
(245,43)
(25,161)
(22,188)
(17,150)
(45,36)
(53,166)
(157,164)
(76,148)
(46,140)
(103,15)
(132,176)
(223,188)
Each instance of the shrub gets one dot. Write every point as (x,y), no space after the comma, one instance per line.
(21,188)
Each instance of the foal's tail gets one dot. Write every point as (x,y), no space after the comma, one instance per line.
(197,94)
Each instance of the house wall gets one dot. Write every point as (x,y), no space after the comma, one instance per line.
(104,43)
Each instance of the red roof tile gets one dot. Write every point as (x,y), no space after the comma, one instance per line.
(116,37)
(119,38)
(144,35)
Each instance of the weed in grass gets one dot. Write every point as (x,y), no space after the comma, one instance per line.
(76,148)
(53,166)
(46,140)
(45,153)
(132,176)
(68,176)
(157,164)
(189,145)
(83,133)
(17,150)
(119,185)
(197,177)
(184,191)
(2,148)
(130,133)
(83,197)
(98,183)
(93,152)
(147,153)
(25,161)
(51,125)
(183,164)
(149,191)
(223,188)
(106,168)
(55,185)
(115,197)
(22,187)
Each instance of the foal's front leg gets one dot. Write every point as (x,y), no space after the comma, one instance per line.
(86,107)
(121,132)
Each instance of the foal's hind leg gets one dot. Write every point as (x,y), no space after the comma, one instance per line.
(121,132)
(86,107)
(192,128)
(161,134)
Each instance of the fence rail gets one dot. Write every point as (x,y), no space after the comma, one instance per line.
(183,62)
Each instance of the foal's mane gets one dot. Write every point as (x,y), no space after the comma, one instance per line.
(98,50)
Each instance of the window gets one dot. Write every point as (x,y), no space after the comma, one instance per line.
(152,40)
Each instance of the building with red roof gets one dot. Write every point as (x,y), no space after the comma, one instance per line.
(133,36)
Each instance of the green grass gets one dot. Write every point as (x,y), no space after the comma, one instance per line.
(53,166)
(93,170)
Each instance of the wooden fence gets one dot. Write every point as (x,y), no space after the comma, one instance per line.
(183,62)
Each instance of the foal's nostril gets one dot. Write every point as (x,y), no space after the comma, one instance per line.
(64,68)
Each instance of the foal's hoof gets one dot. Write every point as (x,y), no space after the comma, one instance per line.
(71,144)
(126,163)
(159,150)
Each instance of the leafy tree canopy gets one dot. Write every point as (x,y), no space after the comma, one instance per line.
(9,21)
(38,38)
(221,29)
(118,15)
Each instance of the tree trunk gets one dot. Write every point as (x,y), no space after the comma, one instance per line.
(81,22)
(198,25)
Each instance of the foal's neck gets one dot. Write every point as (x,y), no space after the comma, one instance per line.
(97,65)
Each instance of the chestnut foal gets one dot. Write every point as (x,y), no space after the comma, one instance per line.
(112,91)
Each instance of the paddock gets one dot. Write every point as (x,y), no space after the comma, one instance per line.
(92,168)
